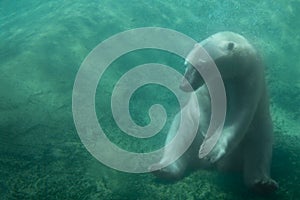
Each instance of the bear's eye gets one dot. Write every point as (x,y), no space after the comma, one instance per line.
(230,46)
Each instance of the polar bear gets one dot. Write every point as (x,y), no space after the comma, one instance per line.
(246,140)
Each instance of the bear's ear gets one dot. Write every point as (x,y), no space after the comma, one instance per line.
(230,46)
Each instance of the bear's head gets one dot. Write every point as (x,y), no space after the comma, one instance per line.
(230,52)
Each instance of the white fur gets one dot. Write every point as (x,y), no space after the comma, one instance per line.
(246,140)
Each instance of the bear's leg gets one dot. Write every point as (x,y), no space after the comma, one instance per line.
(257,158)
(187,161)
(177,168)
(185,128)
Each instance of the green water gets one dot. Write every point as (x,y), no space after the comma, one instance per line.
(42,45)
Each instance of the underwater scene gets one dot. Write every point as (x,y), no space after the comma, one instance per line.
(48,150)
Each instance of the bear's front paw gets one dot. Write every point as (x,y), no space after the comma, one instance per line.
(216,154)
(171,172)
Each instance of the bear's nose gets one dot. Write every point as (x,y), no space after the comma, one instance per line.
(230,46)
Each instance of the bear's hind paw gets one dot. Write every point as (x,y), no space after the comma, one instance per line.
(265,186)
